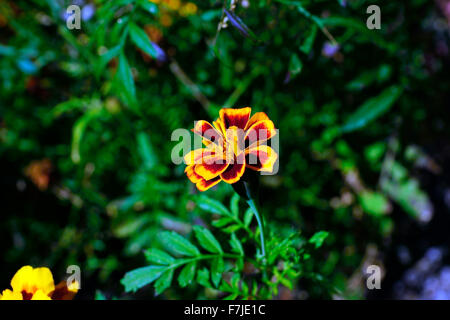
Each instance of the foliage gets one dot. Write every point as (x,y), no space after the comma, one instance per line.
(227,270)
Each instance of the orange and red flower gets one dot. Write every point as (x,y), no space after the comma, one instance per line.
(234,142)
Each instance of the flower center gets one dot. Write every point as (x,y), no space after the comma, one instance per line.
(27,295)
(234,143)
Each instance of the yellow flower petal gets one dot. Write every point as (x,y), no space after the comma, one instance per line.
(235,117)
(30,280)
(261,158)
(218,124)
(192,176)
(40,295)
(211,167)
(260,131)
(234,171)
(258,116)
(204,185)
(22,278)
(207,131)
(11,295)
(196,156)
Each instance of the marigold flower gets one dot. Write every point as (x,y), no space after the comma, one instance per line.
(37,284)
(233,143)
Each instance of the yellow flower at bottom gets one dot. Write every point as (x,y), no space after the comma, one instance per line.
(40,295)
(31,281)
(10,295)
(37,284)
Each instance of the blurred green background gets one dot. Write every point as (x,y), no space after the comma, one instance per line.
(86,118)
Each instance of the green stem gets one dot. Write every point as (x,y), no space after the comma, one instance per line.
(252,206)
(203,257)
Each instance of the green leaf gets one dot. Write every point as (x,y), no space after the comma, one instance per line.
(177,244)
(140,39)
(146,150)
(234,205)
(248,216)
(187,274)
(374,203)
(235,280)
(226,287)
(211,205)
(73,104)
(99,295)
(164,282)
(211,14)
(372,109)
(141,277)
(309,41)
(78,130)
(203,278)
(232,228)
(236,245)
(405,190)
(286,282)
(375,152)
(302,10)
(125,81)
(222,222)
(295,65)
(148,6)
(130,227)
(367,78)
(105,58)
(358,27)
(318,238)
(232,296)
(207,240)
(217,268)
(158,256)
